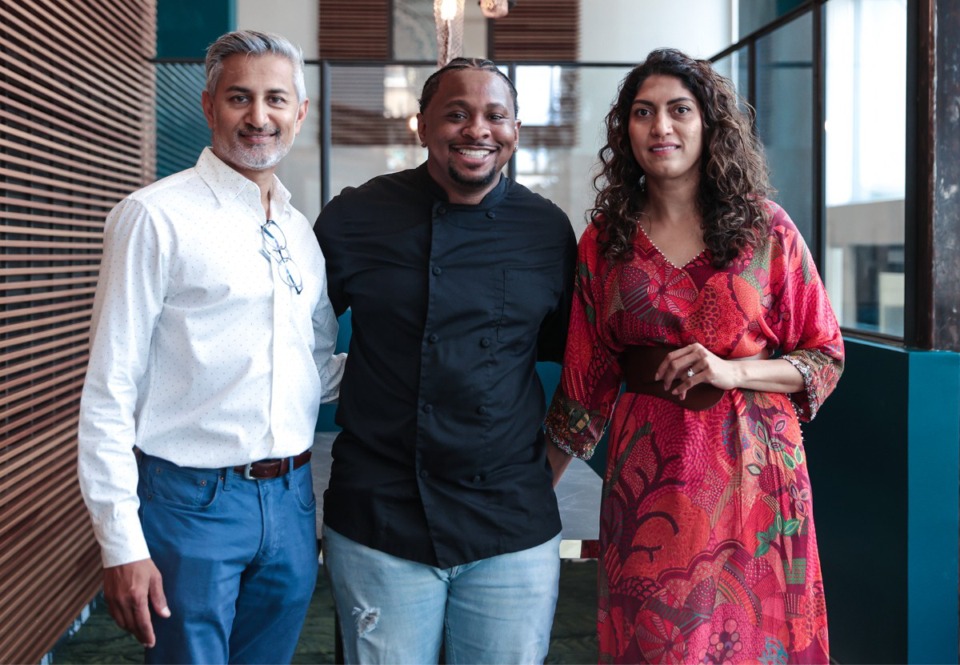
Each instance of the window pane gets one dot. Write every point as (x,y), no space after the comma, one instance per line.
(414,31)
(865,161)
(562,110)
(754,14)
(784,107)
(736,67)
(373,121)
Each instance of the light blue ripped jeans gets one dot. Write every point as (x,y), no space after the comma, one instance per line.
(391,610)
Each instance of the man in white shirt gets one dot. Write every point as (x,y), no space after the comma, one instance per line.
(213,341)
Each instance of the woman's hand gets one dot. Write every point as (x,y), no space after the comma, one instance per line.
(695,364)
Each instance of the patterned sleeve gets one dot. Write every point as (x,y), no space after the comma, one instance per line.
(809,334)
(590,380)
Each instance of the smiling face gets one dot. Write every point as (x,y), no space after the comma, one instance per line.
(666,129)
(254,113)
(470,131)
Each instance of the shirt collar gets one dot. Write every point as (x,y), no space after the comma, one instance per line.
(228,185)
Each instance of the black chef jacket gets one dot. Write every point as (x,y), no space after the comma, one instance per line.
(441,457)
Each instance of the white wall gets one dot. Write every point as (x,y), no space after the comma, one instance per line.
(297,20)
(627,30)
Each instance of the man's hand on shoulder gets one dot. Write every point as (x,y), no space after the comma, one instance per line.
(130,589)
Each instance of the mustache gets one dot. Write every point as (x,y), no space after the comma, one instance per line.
(266,130)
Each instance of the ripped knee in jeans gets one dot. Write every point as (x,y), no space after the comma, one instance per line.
(366,619)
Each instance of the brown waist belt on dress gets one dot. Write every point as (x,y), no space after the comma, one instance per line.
(640,363)
(272,468)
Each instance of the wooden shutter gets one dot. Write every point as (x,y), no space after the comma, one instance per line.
(76,127)
(355,30)
(538,30)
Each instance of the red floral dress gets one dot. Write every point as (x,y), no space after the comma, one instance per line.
(708,552)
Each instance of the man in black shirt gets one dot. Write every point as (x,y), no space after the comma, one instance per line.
(440,520)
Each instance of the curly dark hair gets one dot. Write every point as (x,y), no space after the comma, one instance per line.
(734,180)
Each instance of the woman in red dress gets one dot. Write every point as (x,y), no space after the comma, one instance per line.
(697,292)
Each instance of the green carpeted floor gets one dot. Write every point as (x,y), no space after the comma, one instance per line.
(573,639)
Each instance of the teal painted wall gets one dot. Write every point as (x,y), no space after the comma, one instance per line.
(185,28)
(933,514)
(883,456)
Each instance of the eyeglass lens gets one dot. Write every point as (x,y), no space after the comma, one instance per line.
(286,266)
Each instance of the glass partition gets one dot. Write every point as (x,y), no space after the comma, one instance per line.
(784,105)
(866,55)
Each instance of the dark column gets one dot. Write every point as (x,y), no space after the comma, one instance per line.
(933,222)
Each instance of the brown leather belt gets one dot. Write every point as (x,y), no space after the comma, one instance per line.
(272,468)
(640,364)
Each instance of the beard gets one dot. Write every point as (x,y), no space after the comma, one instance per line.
(254,158)
(478,181)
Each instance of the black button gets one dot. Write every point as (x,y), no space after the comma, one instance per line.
(427,408)
(441,210)
(482,410)
(424,474)
(437,270)
(491,215)
(485,342)
(434,338)
(477,479)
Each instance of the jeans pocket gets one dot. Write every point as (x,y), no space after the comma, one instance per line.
(194,489)
(302,485)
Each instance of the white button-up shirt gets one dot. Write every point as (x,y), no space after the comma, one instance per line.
(201,354)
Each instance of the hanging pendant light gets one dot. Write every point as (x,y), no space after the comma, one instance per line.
(448,15)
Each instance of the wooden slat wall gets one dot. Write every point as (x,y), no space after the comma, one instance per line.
(355,30)
(538,30)
(76,135)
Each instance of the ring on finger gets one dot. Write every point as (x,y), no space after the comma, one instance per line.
(690,372)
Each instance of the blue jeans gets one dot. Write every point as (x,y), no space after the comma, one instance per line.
(496,610)
(238,559)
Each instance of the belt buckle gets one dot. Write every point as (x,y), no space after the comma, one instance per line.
(246,471)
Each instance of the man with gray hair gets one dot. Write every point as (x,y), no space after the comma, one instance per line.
(212,349)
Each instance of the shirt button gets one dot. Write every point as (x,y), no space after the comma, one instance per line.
(477,479)
(427,408)
(491,215)
(434,338)
(424,473)
(437,270)
(482,410)
(485,342)
(441,210)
